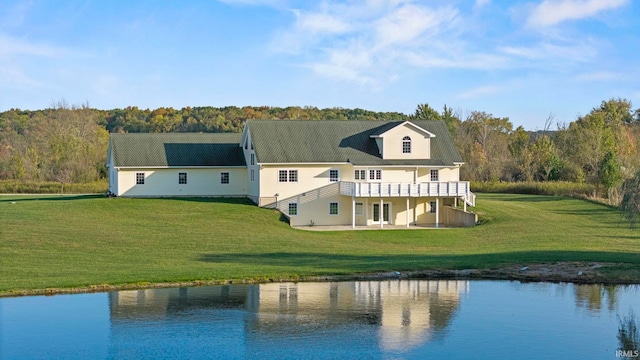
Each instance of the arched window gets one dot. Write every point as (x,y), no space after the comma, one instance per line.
(406,145)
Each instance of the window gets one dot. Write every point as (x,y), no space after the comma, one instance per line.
(334,175)
(182,178)
(293,175)
(359,208)
(288,175)
(333,208)
(432,207)
(434,175)
(406,145)
(224,178)
(293,208)
(361,175)
(375,174)
(282,176)
(139,178)
(253,175)
(253,159)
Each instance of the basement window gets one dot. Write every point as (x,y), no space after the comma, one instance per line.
(333,208)
(140,178)
(432,207)
(293,209)
(182,178)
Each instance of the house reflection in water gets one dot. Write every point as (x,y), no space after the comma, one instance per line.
(393,315)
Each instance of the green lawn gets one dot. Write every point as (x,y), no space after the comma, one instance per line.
(60,242)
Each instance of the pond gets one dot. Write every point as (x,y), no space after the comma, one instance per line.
(394,319)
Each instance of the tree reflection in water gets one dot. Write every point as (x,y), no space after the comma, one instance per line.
(592,297)
(628,336)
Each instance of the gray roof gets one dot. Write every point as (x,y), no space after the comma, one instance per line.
(176,149)
(328,141)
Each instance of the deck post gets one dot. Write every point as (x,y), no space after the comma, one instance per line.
(407,211)
(366,211)
(437,211)
(353,212)
(381,214)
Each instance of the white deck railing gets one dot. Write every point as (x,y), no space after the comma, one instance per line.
(430,189)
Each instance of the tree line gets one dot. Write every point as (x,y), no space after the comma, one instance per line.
(68,144)
(599,148)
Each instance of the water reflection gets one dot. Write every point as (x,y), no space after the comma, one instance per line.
(628,337)
(594,297)
(368,320)
(403,314)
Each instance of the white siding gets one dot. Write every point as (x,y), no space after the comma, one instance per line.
(392,143)
(310,177)
(253,187)
(200,182)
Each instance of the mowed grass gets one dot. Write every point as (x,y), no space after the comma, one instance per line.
(62,242)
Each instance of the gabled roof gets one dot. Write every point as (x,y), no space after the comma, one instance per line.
(176,149)
(329,141)
(385,129)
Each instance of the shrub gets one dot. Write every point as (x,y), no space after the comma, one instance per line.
(556,188)
(50,187)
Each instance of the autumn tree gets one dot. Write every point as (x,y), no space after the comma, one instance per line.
(483,141)
(630,203)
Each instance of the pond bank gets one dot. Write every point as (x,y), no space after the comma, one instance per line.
(574,272)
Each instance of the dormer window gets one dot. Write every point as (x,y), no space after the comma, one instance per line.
(406,145)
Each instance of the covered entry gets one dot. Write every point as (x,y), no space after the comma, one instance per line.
(384,214)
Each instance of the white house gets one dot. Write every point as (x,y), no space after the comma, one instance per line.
(356,173)
(176,164)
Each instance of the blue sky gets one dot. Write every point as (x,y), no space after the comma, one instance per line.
(518,59)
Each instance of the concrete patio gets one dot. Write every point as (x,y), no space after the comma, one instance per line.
(370,227)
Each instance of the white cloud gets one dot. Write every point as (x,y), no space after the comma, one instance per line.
(550,13)
(479,92)
(548,52)
(271,3)
(412,22)
(14,51)
(374,42)
(11,46)
(476,61)
(321,23)
(601,76)
(481,3)
(15,77)
(364,41)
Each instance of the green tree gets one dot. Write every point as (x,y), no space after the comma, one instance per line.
(483,141)
(451,119)
(546,160)
(610,174)
(630,204)
(426,112)
(522,157)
